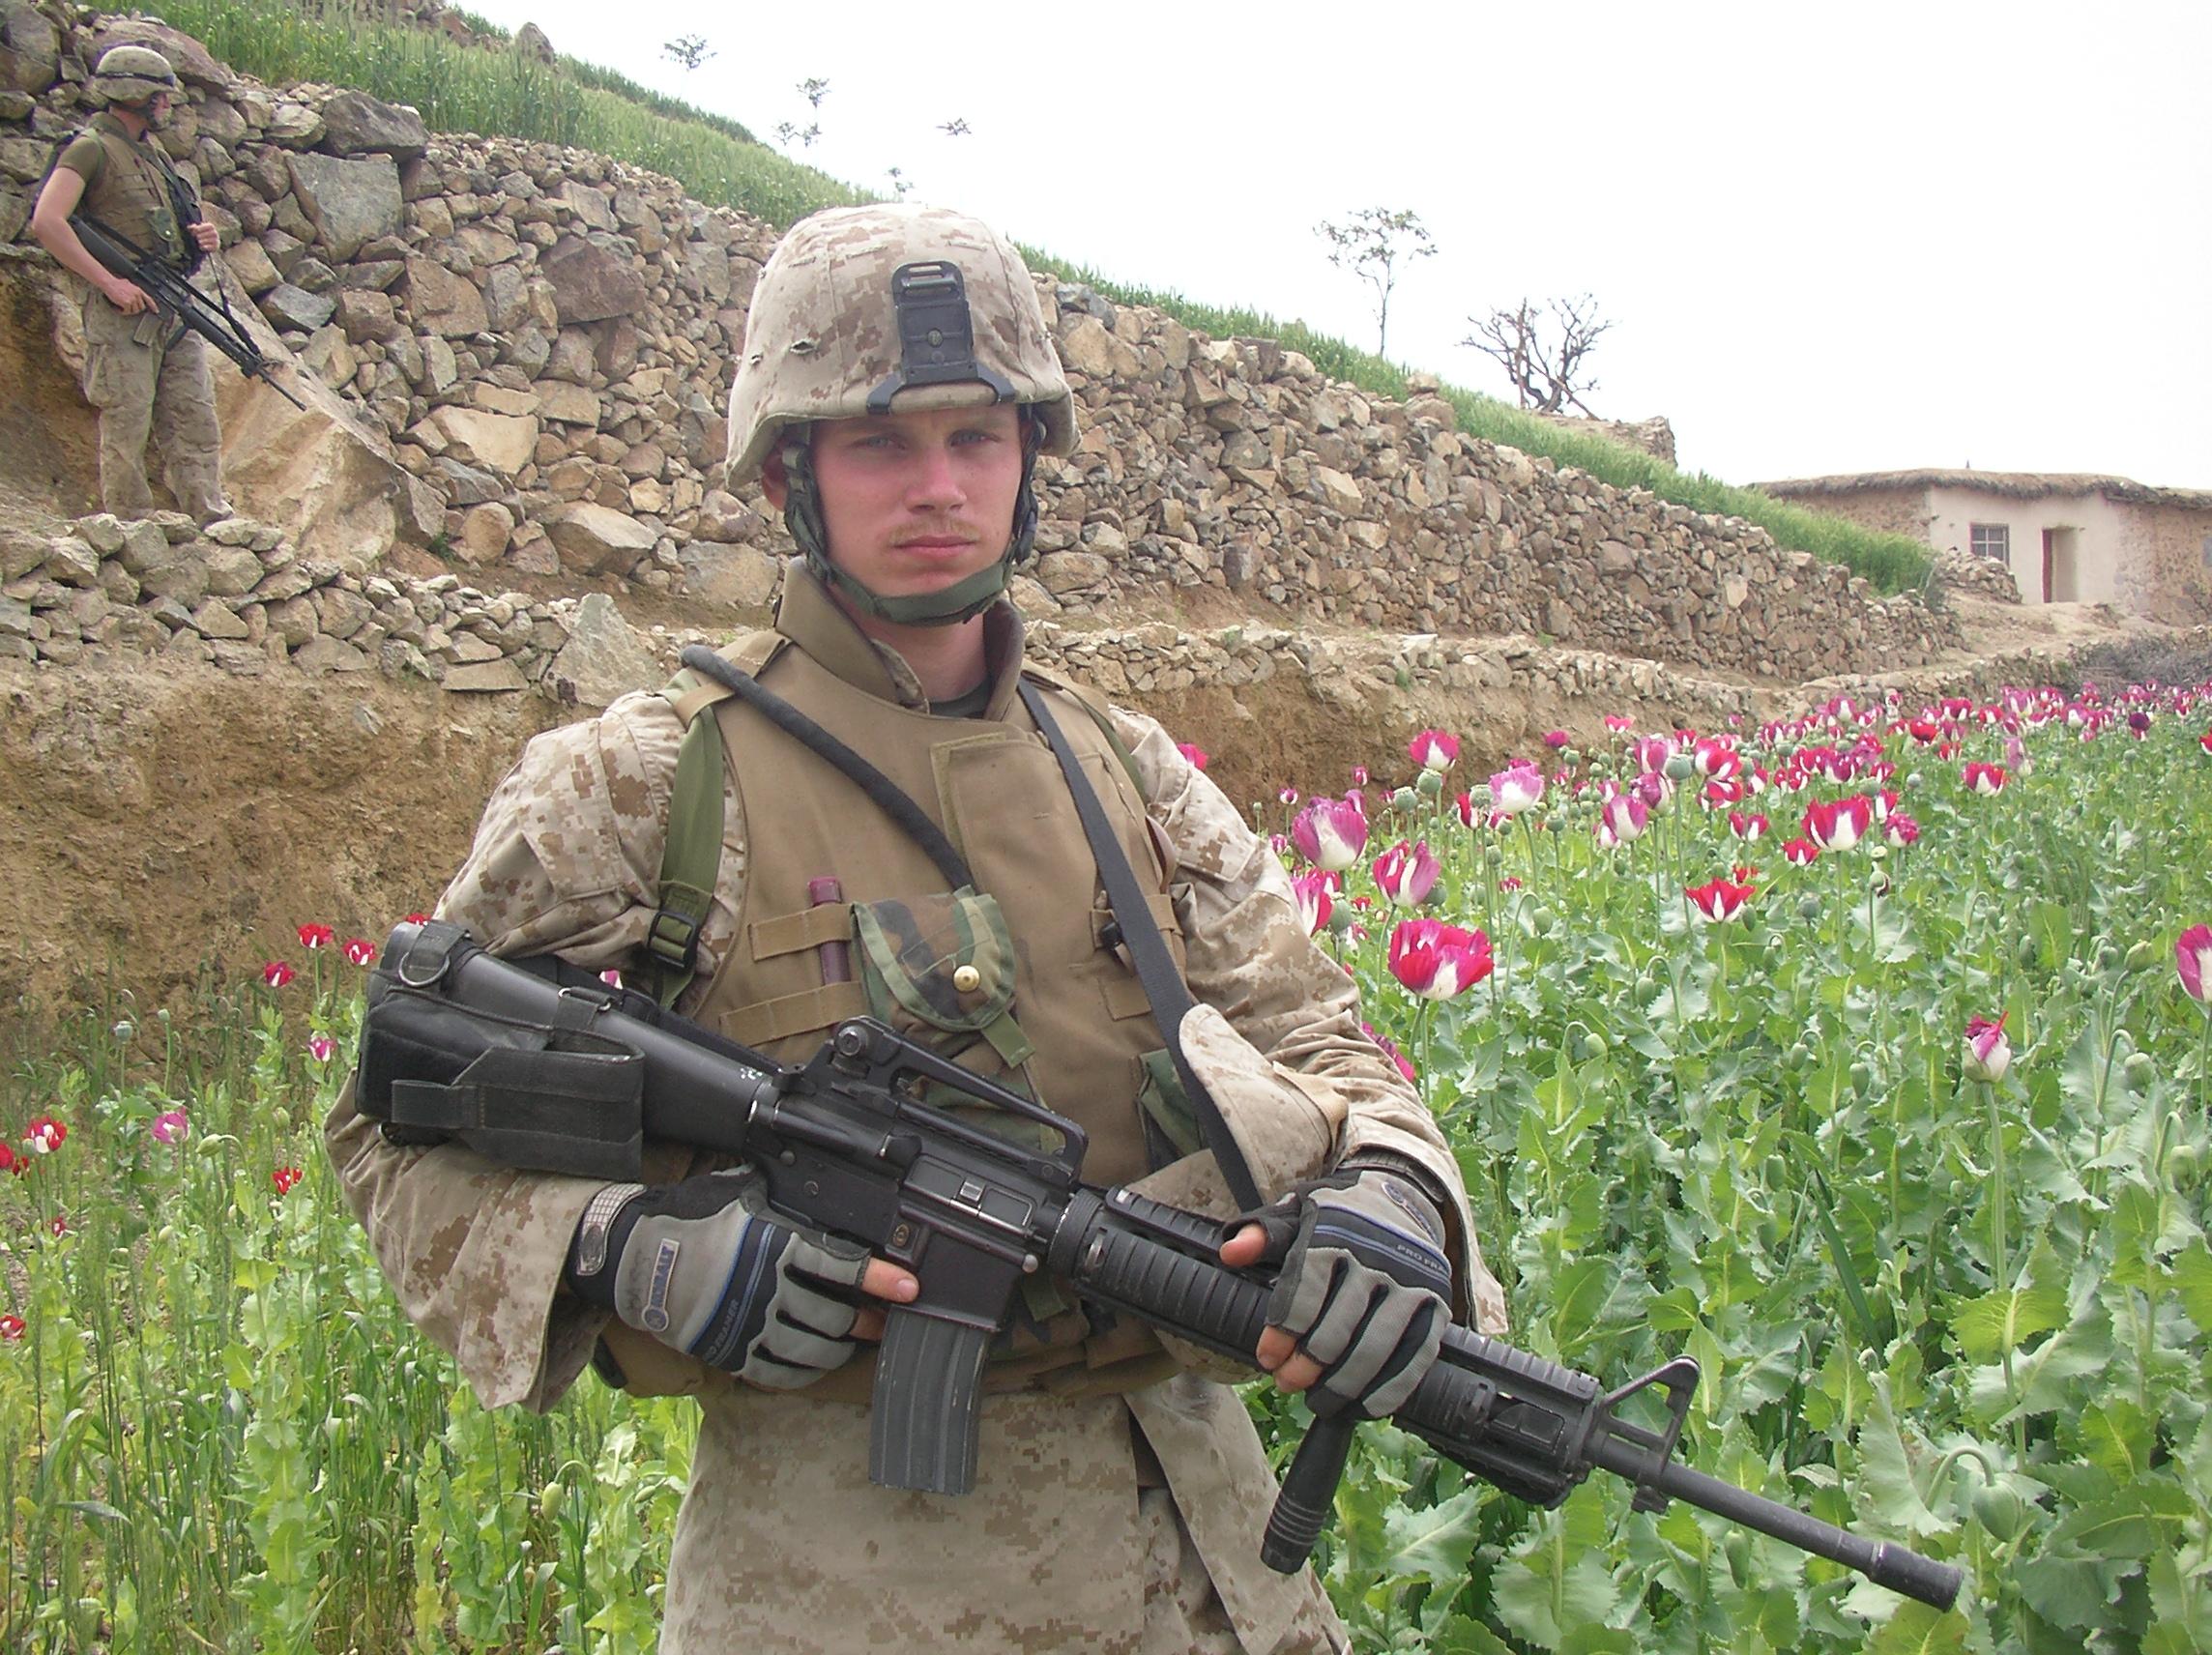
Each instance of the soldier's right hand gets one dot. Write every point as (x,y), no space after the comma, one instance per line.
(128,296)
(702,1266)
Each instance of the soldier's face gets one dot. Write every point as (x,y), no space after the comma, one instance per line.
(915,503)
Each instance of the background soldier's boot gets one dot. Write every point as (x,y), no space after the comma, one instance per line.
(184,426)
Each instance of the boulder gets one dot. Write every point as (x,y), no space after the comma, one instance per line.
(191,61)
(531,42)
(250,262)
(594,540)
(348,201)
(30,48)
(566,404)
(603,657)
(498,442)
(485,678)
(465,484)
(356,123)
(289,307)
(589,203)
(442,303)
(736,577)
(485,529)
(593,280)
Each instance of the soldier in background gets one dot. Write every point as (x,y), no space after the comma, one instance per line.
(145,375)
(895,388)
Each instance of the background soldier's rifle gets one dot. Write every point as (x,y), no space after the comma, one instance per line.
(177,298)
(538,1064)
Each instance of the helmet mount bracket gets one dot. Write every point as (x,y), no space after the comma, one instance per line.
(936,336)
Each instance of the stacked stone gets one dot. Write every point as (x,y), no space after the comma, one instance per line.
(1975,576)
(546,337)
(235,596)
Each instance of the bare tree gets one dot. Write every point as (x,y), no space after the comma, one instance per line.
(1372,244)
(689,50)
(901,185)
(956,127)
(1549,377)
(814,89)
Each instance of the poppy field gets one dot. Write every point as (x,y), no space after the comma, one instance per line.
(1865,1058)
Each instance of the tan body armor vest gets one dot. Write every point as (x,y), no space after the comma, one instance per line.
(1053,1011)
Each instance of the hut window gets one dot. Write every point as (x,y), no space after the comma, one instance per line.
(1992,540)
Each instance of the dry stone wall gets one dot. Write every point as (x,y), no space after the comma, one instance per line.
(546,336)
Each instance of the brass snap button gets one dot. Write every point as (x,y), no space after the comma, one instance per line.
(967,978)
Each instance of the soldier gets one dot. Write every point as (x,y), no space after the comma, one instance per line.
(896,387)
(143,380)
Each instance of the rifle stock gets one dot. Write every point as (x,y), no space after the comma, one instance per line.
(515,1061)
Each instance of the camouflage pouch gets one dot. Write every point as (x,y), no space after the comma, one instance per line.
(940,965)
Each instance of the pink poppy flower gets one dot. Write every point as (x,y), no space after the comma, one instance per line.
(1515,788)
(1614,722)
(1330,834)
(1407,874)
(1837,825)
(1316,899)
(1748,828)
(1900,829)
(1435,960)
(1716,759)
(1288,796)
(1802,852)
(44,1135)
(1621,819)
(2192,959)
(1510,882)
(1434,750)
(1989,1054)
(1988,780)
(1558,739)
(170,1126)
(1195,754)
(1719,900)
(321,1048)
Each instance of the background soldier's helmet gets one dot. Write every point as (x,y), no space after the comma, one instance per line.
(824,336)
(131,74)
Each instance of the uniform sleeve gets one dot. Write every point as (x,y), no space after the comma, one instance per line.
(85,155)
(566,860)
(1249,956)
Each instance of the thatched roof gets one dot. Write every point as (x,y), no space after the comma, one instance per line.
(2010,485)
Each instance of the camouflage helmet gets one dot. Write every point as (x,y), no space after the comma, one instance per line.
(824,337)
(131,74)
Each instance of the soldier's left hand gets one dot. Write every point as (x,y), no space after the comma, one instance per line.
(207,236)
(1363,1298)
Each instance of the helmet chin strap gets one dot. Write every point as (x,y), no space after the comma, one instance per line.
(964,600)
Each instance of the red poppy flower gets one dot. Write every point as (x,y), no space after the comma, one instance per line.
(11,1327)
(284,1178)
(276,973)
(313,935)
(360,952)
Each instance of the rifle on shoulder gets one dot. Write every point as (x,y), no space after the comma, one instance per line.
(177,298)
(540,1066)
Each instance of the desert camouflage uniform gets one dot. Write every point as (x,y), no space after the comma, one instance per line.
(144,381)
(1102,1522)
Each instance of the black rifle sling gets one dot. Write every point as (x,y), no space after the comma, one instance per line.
(1163,985)
(870,780)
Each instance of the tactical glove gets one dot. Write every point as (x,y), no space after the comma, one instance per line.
(1364,1289)
(702,1267)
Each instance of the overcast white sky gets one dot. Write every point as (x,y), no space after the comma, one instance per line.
(1830,237)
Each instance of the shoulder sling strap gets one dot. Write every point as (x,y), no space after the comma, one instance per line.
(1170,997)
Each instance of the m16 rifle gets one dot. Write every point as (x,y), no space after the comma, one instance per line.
(540,1066)
(178,299)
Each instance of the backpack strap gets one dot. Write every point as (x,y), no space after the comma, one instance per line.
(691,852)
